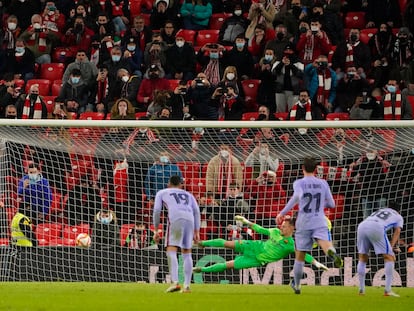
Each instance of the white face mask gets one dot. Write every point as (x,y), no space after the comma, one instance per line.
(179,43)
(230,76)
(314,28)
(164,159)
(224,153)
(11,26)
(33,177)
(302,131)
(125,79)
(36,26)
(371,155)
(238,12)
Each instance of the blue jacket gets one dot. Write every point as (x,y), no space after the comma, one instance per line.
(38,195)
(158,177)
(312,77)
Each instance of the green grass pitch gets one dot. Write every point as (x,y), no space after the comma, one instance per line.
(41,296)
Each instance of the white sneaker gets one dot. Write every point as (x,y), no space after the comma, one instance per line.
(175,287)
(391,294)
(186,290)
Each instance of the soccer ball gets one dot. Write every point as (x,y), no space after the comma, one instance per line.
(83,240)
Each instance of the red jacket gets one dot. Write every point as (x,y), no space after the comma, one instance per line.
(148,86)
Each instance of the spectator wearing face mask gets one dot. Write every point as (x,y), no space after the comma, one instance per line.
(240,57)
(77,89)
(154,79)
(266,92)
(105,232)
(78,35)
(10,112)
(87,68)
(181,57)
(11,31)
(135,58)
(261,159)
(232,26)
(116,62)
(222,170)
(210,57)
(36,194)
(128,86)
(159,174)
(280,41)
(21,61)
(31,106)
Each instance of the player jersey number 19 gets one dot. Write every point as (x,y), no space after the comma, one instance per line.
(312,198)
(180,198)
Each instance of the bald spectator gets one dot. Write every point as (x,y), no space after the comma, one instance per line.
(31,106)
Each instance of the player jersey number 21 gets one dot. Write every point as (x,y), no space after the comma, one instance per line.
(312,200)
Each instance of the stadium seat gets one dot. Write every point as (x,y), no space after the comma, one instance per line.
(123,232)
(410,99)
(147,18)
(281,115)
(250,116)
(189,169)
(50,103)
(403,5)
(91,115)
(46,232)
(250,88)
(44,86)
(173,83)
(135,8)
(338,211)
(366,34)
(208,230)
(355,20)
(71,232)
(56,86)
(52,71)
(217,20)
(4,241)
(335,116)
(196,186)
(189,35)
(206,36)
(140,114)
(62,53)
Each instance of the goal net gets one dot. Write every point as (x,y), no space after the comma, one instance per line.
(99,178)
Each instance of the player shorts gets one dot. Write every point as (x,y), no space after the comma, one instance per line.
(180,233)
(304,239)
(249,250)
(372,236)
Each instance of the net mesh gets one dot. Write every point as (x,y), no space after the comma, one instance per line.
(118,166)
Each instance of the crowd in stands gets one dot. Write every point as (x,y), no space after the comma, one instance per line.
(95,52)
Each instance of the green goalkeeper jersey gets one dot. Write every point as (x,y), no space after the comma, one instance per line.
(276,247)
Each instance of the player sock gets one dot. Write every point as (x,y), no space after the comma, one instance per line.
(214,243)
(361,275)
(338,262)
(188,269)
(173,265)
(218,267)
(298,272)
(389,269)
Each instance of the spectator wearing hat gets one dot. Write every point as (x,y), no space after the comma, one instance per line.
(161,13)
(240,58)
(135,57)
(181,59)
(196,14)
(154,79)
(233,25)
(288,75)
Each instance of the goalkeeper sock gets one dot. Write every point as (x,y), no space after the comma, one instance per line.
(214,243)
(188,268)
(389,269)
(218,267)
(298,272)
(361,275)
(173,265)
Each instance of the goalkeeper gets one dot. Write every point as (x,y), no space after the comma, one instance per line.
(258,253)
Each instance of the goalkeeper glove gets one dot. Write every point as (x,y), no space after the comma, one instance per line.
(242,219)
(318,265)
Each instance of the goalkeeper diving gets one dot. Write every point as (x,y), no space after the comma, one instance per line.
(256,253)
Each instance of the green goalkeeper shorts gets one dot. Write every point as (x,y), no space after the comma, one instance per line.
(249,250)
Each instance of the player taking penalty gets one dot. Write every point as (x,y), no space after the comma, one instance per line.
(183,228)
(257,253)
(312,194)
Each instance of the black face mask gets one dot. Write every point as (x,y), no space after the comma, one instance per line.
(280,35)
(261,117)
(11,117)
(353,38)
(153,75)
(78,28)
(303,29)
(33,96)
(95,46)
(296,10)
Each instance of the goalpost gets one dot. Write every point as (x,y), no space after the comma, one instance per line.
(96,166)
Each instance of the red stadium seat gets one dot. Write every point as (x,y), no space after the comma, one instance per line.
(62,54)
(173,83)
(44,86)
(56,86)
(188,35)
(281,115)
(338,211)
(196,186)
(251,88)
(217,20)
(90,115)
(52,71)
(335,116)
(403,5)
(4,241)
(355,20)
(47,231)
(140,114)
(206,36)
(50,103)
(71,232)
(147,19)
(411,101)
(123,232)
(134,8)
(250,116)
(366,34)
